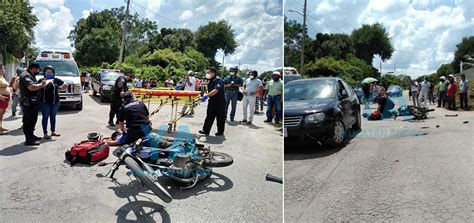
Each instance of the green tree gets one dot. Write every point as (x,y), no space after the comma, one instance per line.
(16,27)
(335,45)
(293,35)
(96,38)
(465,47)
(213,37)
(371,40)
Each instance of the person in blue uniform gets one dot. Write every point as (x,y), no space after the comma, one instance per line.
(216,104)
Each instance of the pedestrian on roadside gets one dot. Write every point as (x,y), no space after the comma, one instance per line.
(5,94)
(251,86)
(258,98)
(463,87)
(431,94)
(451,93)
(274,91)
(366,91)
(424,92)
(138,82)
(118,90)
(189,85)
(83,79)
(14,85)
(29,100)
(87,82)
(215,105)
(232,84)
(169,82)
(49,100)
(442,85)
(415,88)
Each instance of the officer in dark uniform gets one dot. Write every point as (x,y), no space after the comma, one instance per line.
(29,100)
(134,114)
(118,89)
(216,104)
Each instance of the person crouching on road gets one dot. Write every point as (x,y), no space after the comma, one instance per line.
(133,115)
(118,89)
(29,100)
(49,100)
(216,104)
(251,86)
(275,90)
(385,104)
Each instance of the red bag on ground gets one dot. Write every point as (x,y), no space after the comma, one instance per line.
(87,152)
(375,116)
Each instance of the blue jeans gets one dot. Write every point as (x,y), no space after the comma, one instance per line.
(274,101)
(49,111)
(231,96)
(15,102)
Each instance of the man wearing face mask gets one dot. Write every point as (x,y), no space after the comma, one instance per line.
(29,99)
(231,85)
(251,86)
(216,104)
(274,89)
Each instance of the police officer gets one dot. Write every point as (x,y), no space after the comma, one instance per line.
(216,104)
(29,100)
(118,89)
(135,115)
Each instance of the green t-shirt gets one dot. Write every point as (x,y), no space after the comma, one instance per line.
(275,87)
(235,80)
(442,86)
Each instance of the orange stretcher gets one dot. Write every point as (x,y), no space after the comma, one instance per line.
(168,96)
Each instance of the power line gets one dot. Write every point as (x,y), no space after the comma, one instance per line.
(156,13)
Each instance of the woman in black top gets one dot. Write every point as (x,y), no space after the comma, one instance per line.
(49,100)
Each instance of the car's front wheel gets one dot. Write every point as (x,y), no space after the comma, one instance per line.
(337,137)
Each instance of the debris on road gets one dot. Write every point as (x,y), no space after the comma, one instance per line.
(465,122)
(425,127)
(272,178)
(437,126)
(421,134)
(396,161)
(456,115)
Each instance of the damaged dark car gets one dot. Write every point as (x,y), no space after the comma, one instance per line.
(321,109)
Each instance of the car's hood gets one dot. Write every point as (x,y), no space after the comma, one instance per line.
(68,79)
(108,82)
(306,106)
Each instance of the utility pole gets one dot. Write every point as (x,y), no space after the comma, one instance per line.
(304,38)
(124,32)
(460,69)
(381,69)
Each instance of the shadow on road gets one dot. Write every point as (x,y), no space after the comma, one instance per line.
(141,215)
(16,149)
(311,149)
(97,100)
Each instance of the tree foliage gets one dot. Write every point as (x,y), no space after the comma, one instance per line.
(213,37)
(335,45)
(16,27)
(465,47)
(293,35)
(371,40)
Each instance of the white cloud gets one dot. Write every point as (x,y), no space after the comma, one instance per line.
(152,7)
(54,25)
(202,9)
(186,15)
(50,4)
(86,13)
(423,32)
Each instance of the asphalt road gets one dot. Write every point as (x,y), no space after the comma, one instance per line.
(36,185)
(393,171)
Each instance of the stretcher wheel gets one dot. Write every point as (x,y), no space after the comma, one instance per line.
(169,128)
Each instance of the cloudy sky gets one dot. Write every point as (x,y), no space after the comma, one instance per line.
(257,23)
(423,32)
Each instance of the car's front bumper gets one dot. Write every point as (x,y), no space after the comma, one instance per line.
(70,98)
(302,131)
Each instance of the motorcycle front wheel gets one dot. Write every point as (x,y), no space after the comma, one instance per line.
(218,159)
(147,180)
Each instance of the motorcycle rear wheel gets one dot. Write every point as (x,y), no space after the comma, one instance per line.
(147,180)
(218,159)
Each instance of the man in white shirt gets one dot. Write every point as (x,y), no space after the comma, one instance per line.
(189,85)
(251,86)
(425,87)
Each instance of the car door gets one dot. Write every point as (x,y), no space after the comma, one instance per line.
(353,110)
(344,104)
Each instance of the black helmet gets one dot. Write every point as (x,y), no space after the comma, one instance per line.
(93,136)
(19,70)
(254,73)
(34,65)
(50,68)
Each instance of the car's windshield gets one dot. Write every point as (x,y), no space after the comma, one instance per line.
(308,90)
(110,76)
(62,68)
(288,78)
(393,87)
